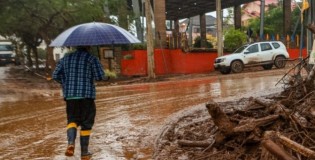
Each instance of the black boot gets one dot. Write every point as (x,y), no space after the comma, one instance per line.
(71,134)
(84,142)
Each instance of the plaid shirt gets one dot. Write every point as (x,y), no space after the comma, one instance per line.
(76,72)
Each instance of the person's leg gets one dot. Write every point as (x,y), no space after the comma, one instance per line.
(71,135)
(88,116)
(72,124)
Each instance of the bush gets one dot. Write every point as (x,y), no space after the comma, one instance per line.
(197,43)
(234,39)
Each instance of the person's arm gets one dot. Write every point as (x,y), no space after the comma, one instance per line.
(58,72)
(98,72)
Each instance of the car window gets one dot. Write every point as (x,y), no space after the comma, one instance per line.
(239,50)
(252,49)
(6,48)
(276,45)
(265,47)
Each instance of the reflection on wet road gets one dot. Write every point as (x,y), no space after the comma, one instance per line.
(128,116)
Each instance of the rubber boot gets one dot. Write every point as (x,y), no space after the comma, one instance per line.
(84,142)
(71,134)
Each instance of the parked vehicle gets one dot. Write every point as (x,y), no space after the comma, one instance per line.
(265,54)
(7,53)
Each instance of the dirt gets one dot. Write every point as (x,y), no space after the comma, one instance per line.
(194,125)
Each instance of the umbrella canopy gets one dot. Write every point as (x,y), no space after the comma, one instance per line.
(94,34)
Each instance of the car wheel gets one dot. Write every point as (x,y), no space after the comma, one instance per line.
(267,66)
(225,71)
(280,62)
(237,66)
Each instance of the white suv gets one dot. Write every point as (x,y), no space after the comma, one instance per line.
(265,54)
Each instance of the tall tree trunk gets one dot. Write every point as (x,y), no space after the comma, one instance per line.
(123,20)
(29,57)
(50,62)
(150,44)
(136,10)
(286,17)
(237,17)
(34,49)
(159,19)
(203,30)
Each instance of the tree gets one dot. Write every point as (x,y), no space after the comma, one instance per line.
(197,43)
(273,21)
(233,39)
(37,20)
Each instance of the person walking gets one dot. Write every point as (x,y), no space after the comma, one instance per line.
(76,72)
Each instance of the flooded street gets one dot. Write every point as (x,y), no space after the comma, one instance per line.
(33,120)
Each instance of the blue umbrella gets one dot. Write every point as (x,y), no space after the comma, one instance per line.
(94,34)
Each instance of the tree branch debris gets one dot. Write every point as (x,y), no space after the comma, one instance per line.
(277,127)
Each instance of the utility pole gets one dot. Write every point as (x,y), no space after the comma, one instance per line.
(219,28)
(150,43)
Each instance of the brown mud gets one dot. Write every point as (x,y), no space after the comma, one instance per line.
(131,110)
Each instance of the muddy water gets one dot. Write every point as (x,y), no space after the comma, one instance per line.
(32,122)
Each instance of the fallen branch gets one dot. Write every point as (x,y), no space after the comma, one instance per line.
(276,150)
(291,144)
(251,124)
(188,143)
(220,119)
(256,101)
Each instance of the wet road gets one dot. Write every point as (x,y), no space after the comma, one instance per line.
(33,122)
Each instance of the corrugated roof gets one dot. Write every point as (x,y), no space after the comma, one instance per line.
(180,9)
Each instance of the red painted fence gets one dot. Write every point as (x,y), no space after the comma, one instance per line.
(168,61)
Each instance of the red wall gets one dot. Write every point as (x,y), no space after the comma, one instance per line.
(295,53)
(175,62)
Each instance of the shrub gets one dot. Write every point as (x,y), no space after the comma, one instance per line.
(197,43)
(234,39)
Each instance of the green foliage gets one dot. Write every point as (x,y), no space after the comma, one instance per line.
(111,74)
(139,46)
(197,43)
(234,39)
(41,53)
(273,22)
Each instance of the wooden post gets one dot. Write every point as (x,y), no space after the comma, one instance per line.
(219,28)
(150,43)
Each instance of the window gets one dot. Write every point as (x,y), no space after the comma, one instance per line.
(276,45)
(265,47)
(6,48)
(253,49)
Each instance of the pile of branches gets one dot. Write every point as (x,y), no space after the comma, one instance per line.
(281,127)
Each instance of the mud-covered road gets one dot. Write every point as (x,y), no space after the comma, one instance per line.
(33,122)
